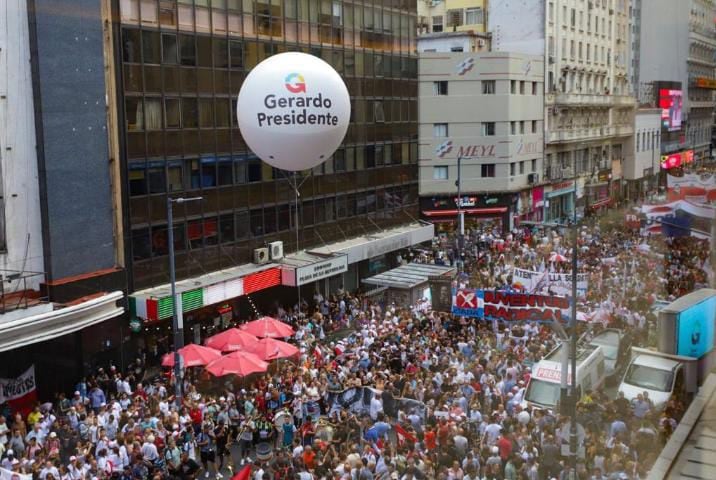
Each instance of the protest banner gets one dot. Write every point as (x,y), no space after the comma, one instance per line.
(530,281)
(515,307)
(20,393)
(467,302)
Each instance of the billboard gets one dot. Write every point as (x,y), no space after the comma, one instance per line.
(676,160)
(695,329)
(671,104)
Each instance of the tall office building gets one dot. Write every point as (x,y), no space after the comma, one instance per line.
(677,73)
(180,65)
(61,275)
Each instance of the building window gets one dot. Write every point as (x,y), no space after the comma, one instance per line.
(437,24)
(534,165)
(522,87)
(513,87)
(455,17)
(440,130)
(512,169)
(638,138)
(488,129)
(440,88)
(473,16)
(534,126)
(487,170)
(522,127)
(513,128)
(488,87)
(522,167)
(534,88)
(440,172)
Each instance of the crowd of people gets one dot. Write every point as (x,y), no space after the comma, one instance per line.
(382,391)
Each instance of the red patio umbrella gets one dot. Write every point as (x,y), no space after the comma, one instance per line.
(267,327)
(194,355)
(231,340)
(271,349)
(237,363)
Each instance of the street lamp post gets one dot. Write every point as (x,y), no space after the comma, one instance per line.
(177,317)
(460,216)
(573,340)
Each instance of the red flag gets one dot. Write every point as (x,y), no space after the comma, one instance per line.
(243,474)
(403,435)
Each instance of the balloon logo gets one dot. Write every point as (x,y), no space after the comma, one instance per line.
(295,83)
(293,111)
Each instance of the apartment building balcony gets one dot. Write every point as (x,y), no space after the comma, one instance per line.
(589,99)
(702,103)
(578,134)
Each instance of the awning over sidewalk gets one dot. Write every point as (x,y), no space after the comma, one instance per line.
(44,322)
(466,211)
(409,276)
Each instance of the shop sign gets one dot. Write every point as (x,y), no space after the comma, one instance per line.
(135,325)
(320,270)
(466,201)
(676,160)
(705,82)
(491,201)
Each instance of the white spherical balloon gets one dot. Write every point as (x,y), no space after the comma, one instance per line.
(293,111)
(523,417)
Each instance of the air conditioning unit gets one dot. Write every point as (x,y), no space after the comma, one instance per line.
(261,256)
(533,178)
(276,250)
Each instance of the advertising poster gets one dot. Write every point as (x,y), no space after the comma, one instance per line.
(695,329)
(440,293)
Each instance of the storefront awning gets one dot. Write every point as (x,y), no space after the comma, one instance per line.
(307,267)
(601,203)
(409,276)
(379,243)
(466,211)
(45,322)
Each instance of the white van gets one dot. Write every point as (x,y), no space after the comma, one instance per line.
(543,391)
(653,373)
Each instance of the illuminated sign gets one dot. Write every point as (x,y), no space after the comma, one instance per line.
(704,82)
(671,103)
(695,329)
(676,160)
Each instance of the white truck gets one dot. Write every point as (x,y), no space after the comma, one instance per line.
(543,390)
(661,375)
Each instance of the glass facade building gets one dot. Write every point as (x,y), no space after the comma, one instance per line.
(180,67)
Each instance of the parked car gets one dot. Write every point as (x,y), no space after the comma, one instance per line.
(615,345)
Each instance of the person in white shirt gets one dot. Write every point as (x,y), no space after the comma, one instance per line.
(149,450)
(376,407)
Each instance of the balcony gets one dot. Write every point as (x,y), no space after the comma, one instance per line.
(622,130)
(702,103)
(579,134)
(589,99)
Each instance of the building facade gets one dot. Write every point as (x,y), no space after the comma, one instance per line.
(589,109)
(180,65)
(482,112)
(439,16)
(61,276)
(678,48)
(641,172)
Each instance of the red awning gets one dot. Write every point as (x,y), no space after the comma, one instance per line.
(466,211)
(602,203)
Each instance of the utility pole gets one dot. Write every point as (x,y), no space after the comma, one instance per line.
(177,316)
(460,217)
(573,342)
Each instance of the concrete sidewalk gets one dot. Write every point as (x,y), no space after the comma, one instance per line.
(690,453)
